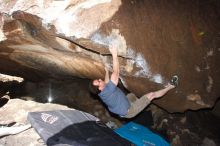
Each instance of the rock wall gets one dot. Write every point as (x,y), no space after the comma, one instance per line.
(156,39)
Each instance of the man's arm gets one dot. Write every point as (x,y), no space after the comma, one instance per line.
(106,75)
(115,73)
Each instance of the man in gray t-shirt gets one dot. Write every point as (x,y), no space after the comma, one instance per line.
(125,106)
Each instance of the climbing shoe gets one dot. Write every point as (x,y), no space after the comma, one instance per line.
(174,80)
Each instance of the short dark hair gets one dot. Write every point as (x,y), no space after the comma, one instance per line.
(93,89)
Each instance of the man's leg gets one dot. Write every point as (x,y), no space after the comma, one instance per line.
(131,97)
(159,93)
(138,105)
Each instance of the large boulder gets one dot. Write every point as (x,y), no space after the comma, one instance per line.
(156,39)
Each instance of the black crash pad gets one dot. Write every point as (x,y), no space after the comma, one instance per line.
(73,127)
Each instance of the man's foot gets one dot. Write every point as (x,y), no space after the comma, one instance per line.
(169,86)
(174,80)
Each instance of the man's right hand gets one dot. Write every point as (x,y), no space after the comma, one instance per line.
(113,49)
(115,73)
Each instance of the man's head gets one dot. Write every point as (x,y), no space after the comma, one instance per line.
(96,85)
(99,83)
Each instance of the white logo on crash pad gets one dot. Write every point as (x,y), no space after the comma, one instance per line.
(47,118)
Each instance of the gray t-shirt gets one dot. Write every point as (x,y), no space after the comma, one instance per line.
(115,99)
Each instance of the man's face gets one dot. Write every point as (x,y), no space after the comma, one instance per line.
(98,82)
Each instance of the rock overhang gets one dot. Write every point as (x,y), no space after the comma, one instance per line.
(153,45)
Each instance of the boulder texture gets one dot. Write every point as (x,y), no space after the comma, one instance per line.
(16,111)
(156,39)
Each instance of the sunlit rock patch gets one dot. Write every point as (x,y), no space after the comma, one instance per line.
(8,78)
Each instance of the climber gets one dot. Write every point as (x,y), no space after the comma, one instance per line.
(124,106)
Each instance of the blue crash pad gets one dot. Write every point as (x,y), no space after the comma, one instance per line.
(140,135)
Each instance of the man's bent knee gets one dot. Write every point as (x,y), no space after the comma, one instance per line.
(132,97)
